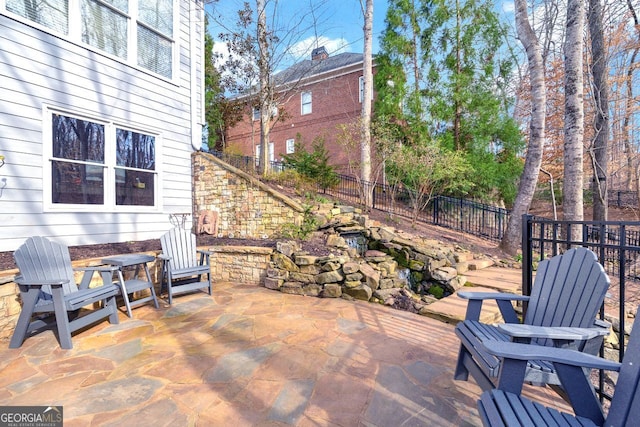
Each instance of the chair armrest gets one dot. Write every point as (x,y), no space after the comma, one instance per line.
(204,251)
(21,281)
(474,307)
(602,324)
(555,333)
(492,296)
(164,257)
(517,351)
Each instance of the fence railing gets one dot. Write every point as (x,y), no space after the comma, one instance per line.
(468,216)
(623,199)
(617,246)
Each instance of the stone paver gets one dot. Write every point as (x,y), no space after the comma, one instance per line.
(249,356)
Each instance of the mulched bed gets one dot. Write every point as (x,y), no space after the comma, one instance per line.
(313,245)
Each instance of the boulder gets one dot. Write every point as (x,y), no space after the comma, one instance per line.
(329,277)
(273,283)
(362,292)
(350,267)
(444,274)
(372,277)
(331,290)
(283,262)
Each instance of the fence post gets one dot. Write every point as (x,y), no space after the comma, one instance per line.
(527,258)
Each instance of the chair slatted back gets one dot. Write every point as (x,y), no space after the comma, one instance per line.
(42,259)
(180,245)
(568,290)
(625,405)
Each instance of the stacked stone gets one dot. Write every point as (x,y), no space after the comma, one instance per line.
(373,275)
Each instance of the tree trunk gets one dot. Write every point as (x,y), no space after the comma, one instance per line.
(632,181)
(264,98)
(513,235)
(365,146)
(599,154)
(572,203)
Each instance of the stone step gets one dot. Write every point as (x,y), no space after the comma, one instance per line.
(497,278)
(452,309)
(480,264)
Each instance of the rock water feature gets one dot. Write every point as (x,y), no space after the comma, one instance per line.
(369,262)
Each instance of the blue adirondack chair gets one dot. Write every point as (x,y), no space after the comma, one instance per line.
(47,286)
(505,407)
(568,291)
(182,268)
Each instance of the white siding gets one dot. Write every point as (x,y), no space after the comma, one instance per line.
(38,70)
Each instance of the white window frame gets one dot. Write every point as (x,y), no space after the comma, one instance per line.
(255,114)
(308,103)
(290,146)
(109,178)
(75,29)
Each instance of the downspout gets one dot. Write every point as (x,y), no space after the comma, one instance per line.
(196,120)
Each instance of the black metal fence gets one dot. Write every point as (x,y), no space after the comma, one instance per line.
(467,216)
(623,199)
(617,246)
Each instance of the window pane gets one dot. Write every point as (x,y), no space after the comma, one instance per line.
(306,102)
(157,14)
(134,188)
(53,14)
(135,150)
(154,52)
(122,5)
(75,183)
(77,139)
(104,28)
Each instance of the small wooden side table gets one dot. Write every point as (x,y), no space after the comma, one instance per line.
(134,284)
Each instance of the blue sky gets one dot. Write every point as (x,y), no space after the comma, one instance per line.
(339,25)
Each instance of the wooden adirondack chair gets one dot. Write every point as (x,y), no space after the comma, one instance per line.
(505,407)
(47,286)
(181,267)
(568,291)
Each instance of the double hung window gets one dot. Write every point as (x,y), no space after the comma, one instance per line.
(140,32)
(305,101)
(100,163)
(291,146)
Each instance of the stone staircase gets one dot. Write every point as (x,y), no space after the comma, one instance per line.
(482,276)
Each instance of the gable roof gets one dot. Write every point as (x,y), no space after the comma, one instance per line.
(308,68)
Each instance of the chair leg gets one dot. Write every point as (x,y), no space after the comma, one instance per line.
(62,319)
(112,303)
(29,300)
(461,372)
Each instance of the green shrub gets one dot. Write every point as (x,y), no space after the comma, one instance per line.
(315,165)
(301,231)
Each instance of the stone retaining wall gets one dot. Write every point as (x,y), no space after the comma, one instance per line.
(238,264)
(242,206)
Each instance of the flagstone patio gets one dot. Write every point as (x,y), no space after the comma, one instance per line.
(248,356)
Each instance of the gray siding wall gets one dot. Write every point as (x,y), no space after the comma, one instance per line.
(40,70)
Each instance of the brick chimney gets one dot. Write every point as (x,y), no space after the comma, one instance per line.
(319,53)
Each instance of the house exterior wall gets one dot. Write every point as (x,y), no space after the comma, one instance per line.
(335,101)
(41,72)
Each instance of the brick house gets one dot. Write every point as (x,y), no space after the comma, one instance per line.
(327,92)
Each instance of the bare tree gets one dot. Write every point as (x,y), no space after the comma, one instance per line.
(537,128)
(572,203)
(600,144)
(259,43)
(367,93)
